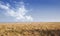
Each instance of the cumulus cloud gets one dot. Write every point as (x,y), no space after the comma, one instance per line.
(19,13)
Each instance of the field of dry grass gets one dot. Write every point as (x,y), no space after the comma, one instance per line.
(30,29)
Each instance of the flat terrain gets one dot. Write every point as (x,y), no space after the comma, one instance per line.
(30,29)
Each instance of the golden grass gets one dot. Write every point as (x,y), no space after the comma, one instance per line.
(30,29)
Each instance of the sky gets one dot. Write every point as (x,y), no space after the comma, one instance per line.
(29,10)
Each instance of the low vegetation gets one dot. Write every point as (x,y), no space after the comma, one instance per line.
(30,29)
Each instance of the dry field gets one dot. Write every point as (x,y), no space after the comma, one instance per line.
(30,29)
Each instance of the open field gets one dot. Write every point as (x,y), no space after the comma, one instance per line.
(30,29)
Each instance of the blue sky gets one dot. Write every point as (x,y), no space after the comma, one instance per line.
(29,10)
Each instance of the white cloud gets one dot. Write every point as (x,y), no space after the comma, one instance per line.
(4,7)
(19,14)
(29,18)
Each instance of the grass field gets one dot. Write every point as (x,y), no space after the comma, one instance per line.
(30,29)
